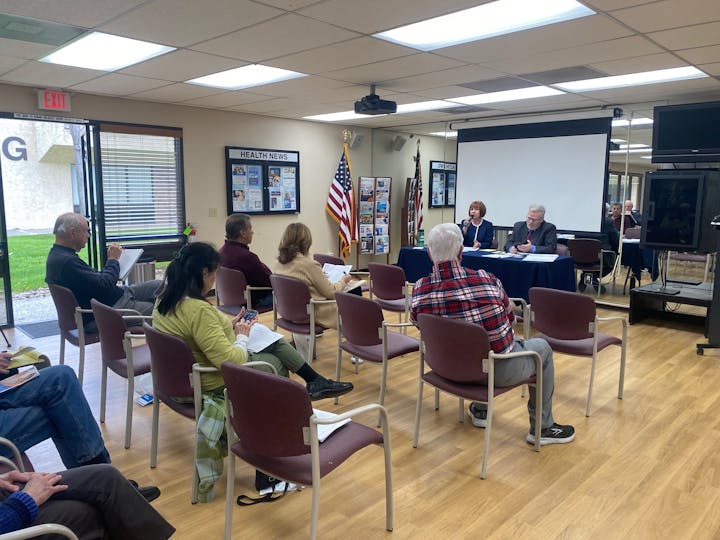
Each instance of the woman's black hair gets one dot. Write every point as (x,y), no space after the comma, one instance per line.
(184,275)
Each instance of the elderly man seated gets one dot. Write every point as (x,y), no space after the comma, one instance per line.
(64,267)
(478,297)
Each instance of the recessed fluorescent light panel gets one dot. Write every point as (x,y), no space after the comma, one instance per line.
(635,122)
(508,95)
(246,77)
(105,52)
(338,116)
(424,106)
(485,21)
(633,79)
(448,134)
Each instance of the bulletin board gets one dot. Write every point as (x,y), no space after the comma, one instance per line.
(262,181)
(374,214)
(443,177)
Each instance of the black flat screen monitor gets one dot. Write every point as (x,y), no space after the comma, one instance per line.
(672,209)
(686,133)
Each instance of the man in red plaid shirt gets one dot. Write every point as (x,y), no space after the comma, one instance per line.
(477,296)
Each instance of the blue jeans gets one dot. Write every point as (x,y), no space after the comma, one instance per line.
(53,406)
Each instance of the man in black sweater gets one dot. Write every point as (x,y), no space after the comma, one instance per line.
(64,267)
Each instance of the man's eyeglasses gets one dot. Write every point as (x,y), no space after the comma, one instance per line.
(533,219)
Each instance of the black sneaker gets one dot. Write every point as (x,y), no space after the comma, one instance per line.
(582,285)
(322,388)
(555,434)
(150,493)
(478,415)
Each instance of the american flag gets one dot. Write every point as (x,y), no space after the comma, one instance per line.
(418,193)
(341,204)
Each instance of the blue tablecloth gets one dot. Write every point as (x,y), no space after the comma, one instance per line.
(516,274)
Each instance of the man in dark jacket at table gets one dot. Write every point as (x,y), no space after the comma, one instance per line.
(534,235)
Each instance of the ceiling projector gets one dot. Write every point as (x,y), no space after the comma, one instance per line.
(372,104)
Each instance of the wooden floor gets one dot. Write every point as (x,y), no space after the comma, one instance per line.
(647,466)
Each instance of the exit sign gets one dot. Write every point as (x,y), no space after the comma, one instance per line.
(52,100)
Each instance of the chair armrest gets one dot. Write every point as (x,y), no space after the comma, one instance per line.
(40,530)
(623,320)
(360,273)
(83,310)
(16,462)
(505,356)
(398,324)
(261,363)
(252,288)
(204,369)
(129,311)
(138,316)
(347,414)
(313,301)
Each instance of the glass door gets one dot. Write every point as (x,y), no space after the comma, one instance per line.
(6,313)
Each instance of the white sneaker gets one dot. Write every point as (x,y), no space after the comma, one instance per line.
(478,415)
(356,360)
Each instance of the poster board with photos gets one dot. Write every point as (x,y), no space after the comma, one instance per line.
(443,177)
(374,215)
(262,181)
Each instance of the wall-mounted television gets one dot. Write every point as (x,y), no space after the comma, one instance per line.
(686,133)
(677,209)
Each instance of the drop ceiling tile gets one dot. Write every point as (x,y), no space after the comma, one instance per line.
(701,55)
(652,92)
(554,37)
(609,5)
(182,65)
(185,23)
(50,75)
(117,84)
(177,92)
(287,34)
(669,14)
(291,5)
(639,63)
(689,37)
(311,88)
(87,13)
(24,49)
(445,92)
(406,66)
(446,77)
(8,62)
(262,106)
(371,16)
(355,52)
(711,69)
(226,100)
(587,54)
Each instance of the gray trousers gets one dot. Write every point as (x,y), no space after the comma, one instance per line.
(101,504)
(513,370)
(140,297)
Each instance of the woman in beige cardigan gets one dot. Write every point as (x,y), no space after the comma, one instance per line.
(295,261)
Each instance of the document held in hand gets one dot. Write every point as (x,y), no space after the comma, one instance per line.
(127,260)
(335,272)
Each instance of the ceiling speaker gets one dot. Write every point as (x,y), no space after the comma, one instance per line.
(398,142)
(356,140)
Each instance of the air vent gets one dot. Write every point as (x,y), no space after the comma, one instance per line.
(45,32)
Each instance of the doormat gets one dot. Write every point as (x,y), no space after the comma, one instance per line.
(40,329)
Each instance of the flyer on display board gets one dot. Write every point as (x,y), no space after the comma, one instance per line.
(442,184)
(262,181)
(373,212)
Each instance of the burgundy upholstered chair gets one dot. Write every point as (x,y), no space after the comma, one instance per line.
(294,309)
(569,323)
(363,333)
(462,363)
(71,325)
(233,292)
(272,427)
(390,289)
(120,355)
(330,259)
(587,256)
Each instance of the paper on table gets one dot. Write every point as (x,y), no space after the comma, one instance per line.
(261,337)
(325,430)
(335,272)
(499,255)
(541,257)
(631,240)
(127,260)
(466,248)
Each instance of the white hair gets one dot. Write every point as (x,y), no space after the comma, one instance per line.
(444,242)
(537,208)
(66,223)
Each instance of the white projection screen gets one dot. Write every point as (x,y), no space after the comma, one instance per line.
(561,165)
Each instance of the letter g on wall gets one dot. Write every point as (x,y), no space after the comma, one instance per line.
(17,152)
